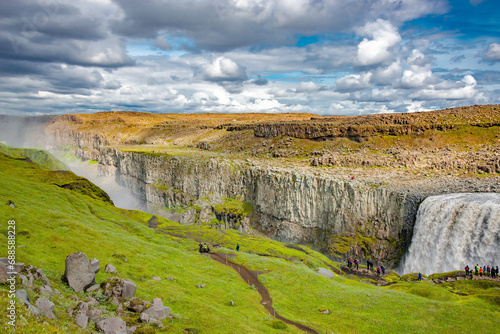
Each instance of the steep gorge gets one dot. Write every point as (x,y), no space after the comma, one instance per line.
(337,216)
(203,169)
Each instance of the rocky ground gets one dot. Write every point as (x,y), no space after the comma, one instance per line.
(448,147)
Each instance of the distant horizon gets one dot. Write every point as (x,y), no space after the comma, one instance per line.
(327,57)
(236,113)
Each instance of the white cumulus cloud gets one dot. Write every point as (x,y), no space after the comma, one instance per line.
(223,69)
(377,48)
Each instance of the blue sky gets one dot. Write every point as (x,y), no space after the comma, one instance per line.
(343,57)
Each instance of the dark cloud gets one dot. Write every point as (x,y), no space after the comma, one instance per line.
(224,25)
(260,81)
(50,31)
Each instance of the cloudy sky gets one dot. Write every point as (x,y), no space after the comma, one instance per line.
(339,57)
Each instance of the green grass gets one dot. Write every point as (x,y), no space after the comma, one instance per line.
(44,159)
(53,222)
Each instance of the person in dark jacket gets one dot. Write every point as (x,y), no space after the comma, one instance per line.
(237,247)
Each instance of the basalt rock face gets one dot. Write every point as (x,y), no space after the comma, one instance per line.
(338,217)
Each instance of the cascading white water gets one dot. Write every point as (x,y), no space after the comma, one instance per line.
(455,230)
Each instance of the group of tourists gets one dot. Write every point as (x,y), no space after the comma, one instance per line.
(486,271)
(351,263)
(204,248)
(354,263)
(380,269)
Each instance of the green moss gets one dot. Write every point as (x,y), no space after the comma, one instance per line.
(235,207)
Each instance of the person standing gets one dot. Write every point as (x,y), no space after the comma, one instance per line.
(237,247)
(357,264)
(466,271)
(419,276)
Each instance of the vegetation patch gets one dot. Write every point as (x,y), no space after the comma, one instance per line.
(234,207)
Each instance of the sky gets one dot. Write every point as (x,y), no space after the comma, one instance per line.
(328,57)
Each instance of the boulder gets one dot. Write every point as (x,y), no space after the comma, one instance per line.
(118,287)
(157,310)
(112,326)
(136,305)
(96,266)
(81,320)
(156,278)
(40,276)
(81,308)
(45,307)
(92,301)
(95,315)
(150,320)
(79,274)
(47,291)
(110,269)
(23,297)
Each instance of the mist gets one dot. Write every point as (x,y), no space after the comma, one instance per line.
(29,132)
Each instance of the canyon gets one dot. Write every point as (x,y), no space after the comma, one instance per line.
(347,186)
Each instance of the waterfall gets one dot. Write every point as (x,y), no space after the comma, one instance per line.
(455,230)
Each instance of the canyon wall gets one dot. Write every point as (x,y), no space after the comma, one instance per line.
(338,217)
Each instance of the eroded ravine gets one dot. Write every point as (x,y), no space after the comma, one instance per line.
(250,278)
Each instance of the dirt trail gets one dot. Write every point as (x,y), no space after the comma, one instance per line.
(250,277)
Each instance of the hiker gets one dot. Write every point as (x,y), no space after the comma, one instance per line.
(496,271)
(488,270)
(484,270)
(466,271)
(419,276)
(357,264)
(237,247)
(378,271)
(481,271)
(383,269)
(477,269)
(201,247)
(368,264)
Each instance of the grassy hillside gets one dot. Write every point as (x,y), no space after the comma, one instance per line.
(54,221)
